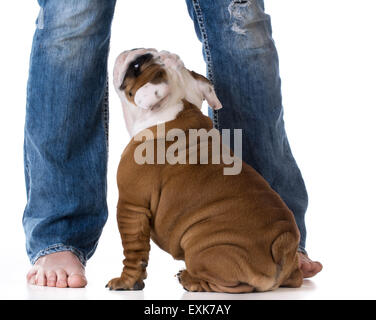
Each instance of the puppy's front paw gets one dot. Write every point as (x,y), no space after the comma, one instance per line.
(122,284)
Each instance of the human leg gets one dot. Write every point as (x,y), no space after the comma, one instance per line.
(66,128)
(242,62)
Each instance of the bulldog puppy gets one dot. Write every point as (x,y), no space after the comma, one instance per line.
(233,231)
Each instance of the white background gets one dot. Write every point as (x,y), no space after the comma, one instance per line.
(327,59)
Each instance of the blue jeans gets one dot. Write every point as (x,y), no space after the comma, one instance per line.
(66,129)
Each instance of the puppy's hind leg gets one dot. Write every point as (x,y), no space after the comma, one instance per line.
(193,284)
(284,252)
(295,278)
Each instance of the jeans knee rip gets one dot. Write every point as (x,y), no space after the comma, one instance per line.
(248,19)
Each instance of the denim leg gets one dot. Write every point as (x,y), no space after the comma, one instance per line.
(242,62)
(66,129)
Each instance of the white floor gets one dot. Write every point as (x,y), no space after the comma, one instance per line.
(341,240)
(338,280)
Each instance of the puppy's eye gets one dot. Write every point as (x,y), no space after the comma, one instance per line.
(136,69)
(130,94)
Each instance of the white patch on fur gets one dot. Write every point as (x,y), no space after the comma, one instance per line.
(150,95)
(171,60)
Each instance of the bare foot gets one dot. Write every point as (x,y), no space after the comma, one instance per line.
(60,269)
(309,268)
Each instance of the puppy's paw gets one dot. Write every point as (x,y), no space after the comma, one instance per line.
(122,284)
(188,282)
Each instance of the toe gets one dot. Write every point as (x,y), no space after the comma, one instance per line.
(41,278)
(77,281)
(306,266)
(30,277)
(310,268)
(316,267)
(61,280)
(51,278)
(32,280)
(306,269)
(320,267)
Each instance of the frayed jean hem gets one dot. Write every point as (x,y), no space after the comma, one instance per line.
(302,250)
(59,247)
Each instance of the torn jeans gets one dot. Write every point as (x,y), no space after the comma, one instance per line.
(66,128)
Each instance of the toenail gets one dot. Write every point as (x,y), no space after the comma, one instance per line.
(61,284)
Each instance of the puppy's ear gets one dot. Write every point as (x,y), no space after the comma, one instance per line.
(151,94)
(206,88)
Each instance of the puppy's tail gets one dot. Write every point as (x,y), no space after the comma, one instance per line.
(285,256)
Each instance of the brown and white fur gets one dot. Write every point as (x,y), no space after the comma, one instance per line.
(159,100)
(234,232)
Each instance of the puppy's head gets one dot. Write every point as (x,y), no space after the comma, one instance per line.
(148,79)
(152,85)
(140,79)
